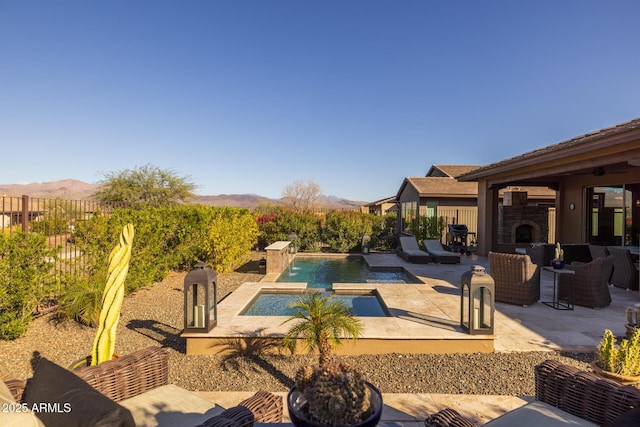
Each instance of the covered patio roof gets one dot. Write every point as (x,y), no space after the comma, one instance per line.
(608,157)
(605,151)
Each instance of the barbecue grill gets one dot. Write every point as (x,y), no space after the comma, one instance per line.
(459,236)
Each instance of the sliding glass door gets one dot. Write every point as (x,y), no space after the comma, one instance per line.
(614,215)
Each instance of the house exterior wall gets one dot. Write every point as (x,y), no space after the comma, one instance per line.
(572,224)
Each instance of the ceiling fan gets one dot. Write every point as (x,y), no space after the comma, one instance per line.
(599,171)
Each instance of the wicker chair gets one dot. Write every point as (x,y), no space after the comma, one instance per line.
(579,393)
(133,374)
(625,273)
(588,287)
(516,277)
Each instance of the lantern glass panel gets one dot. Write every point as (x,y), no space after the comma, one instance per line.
(196,306)
(482,313)
(212,304)
(465,306)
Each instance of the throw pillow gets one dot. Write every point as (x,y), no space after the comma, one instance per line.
(60,398)
(13,414)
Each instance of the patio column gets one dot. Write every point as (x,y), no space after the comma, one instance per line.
(487,217)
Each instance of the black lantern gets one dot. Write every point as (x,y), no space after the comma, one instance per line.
(293,246)
(200,311)
(366,242)
(477,301)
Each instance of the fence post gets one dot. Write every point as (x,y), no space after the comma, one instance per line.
(25,213)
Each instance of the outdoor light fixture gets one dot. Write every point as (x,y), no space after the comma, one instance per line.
(200,301)
(366,242)
(477,301)
(293,246)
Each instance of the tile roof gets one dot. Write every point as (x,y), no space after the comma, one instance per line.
(451,170)
(437,186)
(550,149)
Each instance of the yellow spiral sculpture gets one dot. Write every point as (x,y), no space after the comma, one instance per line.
(112,297)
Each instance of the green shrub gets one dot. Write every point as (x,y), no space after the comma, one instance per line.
(277,224)
(428,228)
(26,280)
(231,235)
(167,239)
(343,230)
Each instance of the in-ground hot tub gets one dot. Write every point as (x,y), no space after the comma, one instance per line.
(277,302)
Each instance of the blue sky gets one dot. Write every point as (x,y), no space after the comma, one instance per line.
(247,96)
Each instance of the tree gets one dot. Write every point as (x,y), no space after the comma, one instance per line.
(302,195)
(323,321)
(145,186)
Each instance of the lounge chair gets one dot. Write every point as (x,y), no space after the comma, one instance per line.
(439,254)
(410,252)
(516,277)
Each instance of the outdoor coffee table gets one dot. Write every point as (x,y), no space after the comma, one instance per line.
(556,303)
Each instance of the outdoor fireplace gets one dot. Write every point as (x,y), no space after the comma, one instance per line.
(524,233)
(523,224)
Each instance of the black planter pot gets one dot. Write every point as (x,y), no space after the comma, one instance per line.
(296,404)
(558,265)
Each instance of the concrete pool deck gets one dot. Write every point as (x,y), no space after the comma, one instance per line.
(426,317)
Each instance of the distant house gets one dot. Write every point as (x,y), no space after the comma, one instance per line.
(439,193)
(380,207)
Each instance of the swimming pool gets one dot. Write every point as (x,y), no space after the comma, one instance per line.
(277,303)
(321,272)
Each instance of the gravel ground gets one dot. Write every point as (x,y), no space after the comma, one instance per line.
(153,316)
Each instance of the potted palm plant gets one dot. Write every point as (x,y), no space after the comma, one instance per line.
(331,393)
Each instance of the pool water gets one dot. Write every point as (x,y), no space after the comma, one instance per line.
(278,304)
(319,272)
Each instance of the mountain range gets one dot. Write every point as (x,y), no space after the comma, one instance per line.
(73,189)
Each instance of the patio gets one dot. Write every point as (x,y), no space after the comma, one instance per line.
(534,328)
(426,317)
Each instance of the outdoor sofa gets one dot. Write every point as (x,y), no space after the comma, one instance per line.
(542,253)
(131,390)
(439,254)
(409,251)
(564,396)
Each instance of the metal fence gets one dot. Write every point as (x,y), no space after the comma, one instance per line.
(54,218)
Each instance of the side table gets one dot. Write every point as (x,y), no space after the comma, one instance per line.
(556,303)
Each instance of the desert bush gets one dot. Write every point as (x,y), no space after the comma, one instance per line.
(167,239)
(343,230)
(231,234)
(26,280)
(278,223)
